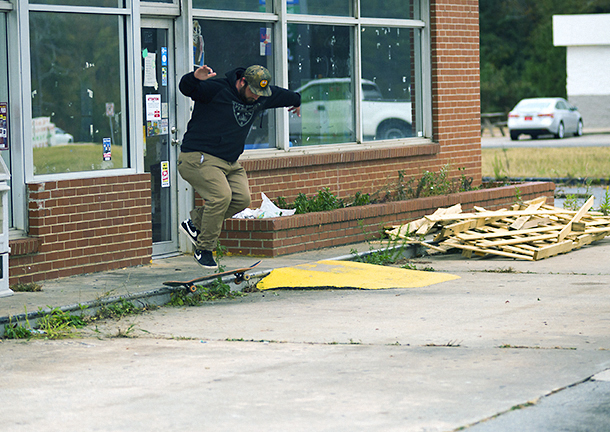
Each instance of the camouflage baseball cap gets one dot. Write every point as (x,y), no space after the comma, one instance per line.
(258,79)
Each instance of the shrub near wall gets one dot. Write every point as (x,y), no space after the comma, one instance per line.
(298,233)
(83,226)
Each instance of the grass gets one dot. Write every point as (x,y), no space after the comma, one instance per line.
(55,324)
(75,157)
(551,162)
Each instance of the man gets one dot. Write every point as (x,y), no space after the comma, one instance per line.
(224,111)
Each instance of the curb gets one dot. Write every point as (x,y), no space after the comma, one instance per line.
(161,296)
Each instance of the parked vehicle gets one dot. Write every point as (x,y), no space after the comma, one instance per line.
(327,113)
(61,137)
(544,116)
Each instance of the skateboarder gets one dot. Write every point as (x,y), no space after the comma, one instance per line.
(224,111)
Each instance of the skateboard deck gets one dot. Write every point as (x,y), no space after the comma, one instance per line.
(240,276)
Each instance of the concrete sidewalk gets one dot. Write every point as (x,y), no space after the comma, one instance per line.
(145,283)
(506,342)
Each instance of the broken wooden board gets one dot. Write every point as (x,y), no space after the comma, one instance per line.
(530,231)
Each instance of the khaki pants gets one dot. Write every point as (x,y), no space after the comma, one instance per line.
(222,185)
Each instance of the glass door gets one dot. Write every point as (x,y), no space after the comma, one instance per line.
(5,147)
(158,130)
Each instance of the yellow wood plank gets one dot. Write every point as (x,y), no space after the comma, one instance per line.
(458,227)
(504,233)
(541,200)
(518,250)
(583,240)
(535,222)
(494,252)
(555,249)
(521,220)
(579,226)
(581,212)
(440,218)
(518,240)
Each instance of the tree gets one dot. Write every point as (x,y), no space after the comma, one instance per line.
(518,58)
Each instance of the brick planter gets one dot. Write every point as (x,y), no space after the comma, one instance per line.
(285,235)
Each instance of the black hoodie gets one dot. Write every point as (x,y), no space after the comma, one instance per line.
(221,120)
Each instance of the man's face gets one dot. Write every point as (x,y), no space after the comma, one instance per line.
(246,94)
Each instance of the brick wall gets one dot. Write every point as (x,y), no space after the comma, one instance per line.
(83,226)
(456,105)
(345,172)
(298,233)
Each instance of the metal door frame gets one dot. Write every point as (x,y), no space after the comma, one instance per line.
(171,247)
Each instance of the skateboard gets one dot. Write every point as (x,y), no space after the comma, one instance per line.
(240,276)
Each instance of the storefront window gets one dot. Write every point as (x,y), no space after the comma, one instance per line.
(78,92)
(400,9)
(224,46)
(319,7)
(97,3)
(388,83)
(235,5)
(320,68)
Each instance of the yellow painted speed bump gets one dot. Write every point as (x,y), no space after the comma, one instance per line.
(349,274)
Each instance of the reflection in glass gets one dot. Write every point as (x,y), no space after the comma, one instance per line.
(387,81)
(77,98)
(400,9)
(319,7)
(235,5)
(224,46)
(97,3)
(157,121)
(5,118)
(319,67)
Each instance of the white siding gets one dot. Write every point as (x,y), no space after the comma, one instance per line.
(588,70)
(572,30)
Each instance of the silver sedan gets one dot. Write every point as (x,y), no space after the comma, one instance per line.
(544,116)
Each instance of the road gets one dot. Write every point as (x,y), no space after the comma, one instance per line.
(601,139)
(505,344)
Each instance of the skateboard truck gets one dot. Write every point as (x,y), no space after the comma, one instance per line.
(240,276)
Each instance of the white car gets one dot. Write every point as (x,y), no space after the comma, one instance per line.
(544,116)
(327,113)
(61,137)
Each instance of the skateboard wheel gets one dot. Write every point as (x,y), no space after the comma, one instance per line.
(192,288)
(238,280)
(247,277)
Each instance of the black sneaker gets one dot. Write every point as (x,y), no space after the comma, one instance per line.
(205,259)
(189,229)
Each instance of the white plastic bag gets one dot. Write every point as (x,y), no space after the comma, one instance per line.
(266,210)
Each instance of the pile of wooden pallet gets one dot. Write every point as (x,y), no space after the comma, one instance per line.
(529,231)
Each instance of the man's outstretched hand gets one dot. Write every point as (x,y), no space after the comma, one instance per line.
(204,72)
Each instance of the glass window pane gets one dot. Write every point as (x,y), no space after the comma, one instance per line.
(320,68)
(224,46)
(5,118)
(78,105)
(388,83)
(235,5)
(97,3)
(319,7)
(400,9)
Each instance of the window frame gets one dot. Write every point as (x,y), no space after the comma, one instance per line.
(130,80)
(281,18)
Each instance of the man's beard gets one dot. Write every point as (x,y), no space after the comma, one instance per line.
(245,99)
